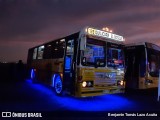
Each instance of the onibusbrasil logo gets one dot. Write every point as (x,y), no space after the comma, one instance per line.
(17,114)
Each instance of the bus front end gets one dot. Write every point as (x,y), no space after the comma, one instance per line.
(101,68)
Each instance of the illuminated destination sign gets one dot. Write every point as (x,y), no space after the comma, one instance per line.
(100,33)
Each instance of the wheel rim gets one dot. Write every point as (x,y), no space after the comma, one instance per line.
(58,85)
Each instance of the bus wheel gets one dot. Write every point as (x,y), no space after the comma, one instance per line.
(58,86)
(33,76)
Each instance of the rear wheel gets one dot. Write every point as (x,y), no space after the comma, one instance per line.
(58,86)
(33,75)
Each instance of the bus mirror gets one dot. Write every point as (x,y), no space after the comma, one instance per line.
(83,43)
(84,60)
(97,63)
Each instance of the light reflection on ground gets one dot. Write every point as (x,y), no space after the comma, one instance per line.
(111,102)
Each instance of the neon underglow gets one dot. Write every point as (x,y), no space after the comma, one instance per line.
(111,102)
(53,78)
(32,74)
(104,34)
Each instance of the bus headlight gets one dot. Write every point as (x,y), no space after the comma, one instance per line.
(148,82)
(87,84)
(84,84)
(120,82)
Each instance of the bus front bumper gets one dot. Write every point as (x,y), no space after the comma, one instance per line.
(96,91)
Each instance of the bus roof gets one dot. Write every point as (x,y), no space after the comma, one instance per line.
(146,44)
(93,33)
(74,34)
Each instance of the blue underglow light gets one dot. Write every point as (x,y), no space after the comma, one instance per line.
(53,78)
(32,74)
(110,102)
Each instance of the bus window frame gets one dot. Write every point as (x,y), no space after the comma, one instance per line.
(117,46)
(154,52)
(95,61)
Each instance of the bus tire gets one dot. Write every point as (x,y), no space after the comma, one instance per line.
(58,85)
(33,76)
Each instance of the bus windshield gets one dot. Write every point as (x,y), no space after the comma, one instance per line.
(153,62)
(94,54)
(115,57)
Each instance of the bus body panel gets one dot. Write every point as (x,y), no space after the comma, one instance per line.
(45,69)
(138,59)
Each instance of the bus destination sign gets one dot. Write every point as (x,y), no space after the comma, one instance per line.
(104,34)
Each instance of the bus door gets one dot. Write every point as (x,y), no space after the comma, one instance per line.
(132,69)
(69,64)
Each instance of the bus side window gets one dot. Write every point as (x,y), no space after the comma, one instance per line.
(69,54)
(142,64)
(30,55)
(35,53)
(58,49)
(68,63)
(47,51)
(40,52)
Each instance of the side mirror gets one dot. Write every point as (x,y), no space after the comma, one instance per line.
(84,60)
(97,63)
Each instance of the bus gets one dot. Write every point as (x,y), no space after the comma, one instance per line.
(89,62)
(142,62)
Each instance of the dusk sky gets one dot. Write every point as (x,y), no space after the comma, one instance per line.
(27,23)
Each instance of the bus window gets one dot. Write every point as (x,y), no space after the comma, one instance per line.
(94,52)
(115,57)
(142,60)
(68,63)
(70,47)
(35,53)
(154,65)
(47,51)
(58,48)
(69,55)
(40,52)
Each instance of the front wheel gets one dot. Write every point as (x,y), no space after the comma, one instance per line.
(58,86)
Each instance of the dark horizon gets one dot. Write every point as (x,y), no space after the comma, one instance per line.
(25,24)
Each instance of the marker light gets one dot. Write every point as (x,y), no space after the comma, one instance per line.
(84,84)
(110,31)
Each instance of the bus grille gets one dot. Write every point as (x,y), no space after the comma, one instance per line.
(105,79)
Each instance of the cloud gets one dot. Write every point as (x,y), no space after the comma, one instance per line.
(28,17)
(36,21)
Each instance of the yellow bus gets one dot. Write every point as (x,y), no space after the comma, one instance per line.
(142,61)
(87,63)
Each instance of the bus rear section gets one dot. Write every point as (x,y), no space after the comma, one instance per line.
(142,65)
